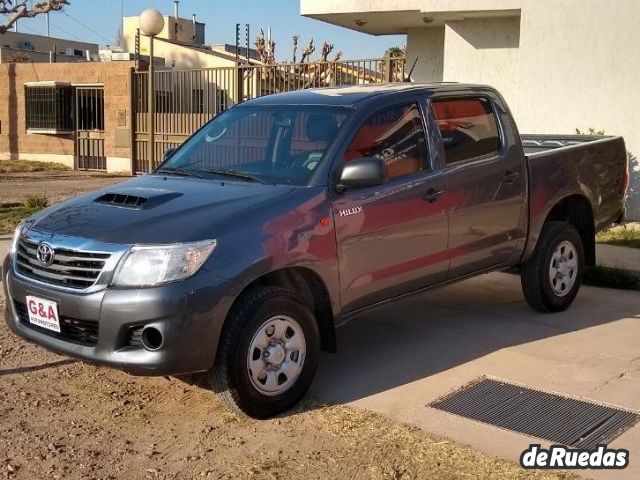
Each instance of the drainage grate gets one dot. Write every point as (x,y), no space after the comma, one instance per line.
(570,422)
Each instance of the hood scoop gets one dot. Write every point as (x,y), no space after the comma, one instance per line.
(137,199)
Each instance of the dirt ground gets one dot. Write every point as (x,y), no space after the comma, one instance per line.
(58,186)
(62,419)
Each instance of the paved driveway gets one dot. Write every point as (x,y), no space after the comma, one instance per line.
(396,361)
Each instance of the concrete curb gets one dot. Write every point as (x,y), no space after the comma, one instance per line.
(613,256)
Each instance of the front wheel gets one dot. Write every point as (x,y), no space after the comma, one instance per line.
(268,353)
(552,277)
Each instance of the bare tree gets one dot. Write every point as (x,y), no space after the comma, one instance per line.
(118,41)
(261,46)
(308,50)
(327,48)
(266,49)
(294,75)
(17,9)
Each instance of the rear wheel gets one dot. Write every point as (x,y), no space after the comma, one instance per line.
(552,277)
(268,353)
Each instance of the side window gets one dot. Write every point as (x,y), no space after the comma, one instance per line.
(468,127)
(395,135)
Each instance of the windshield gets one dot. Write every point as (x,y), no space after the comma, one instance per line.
(266,144)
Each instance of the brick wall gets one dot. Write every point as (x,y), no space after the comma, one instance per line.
(14,140)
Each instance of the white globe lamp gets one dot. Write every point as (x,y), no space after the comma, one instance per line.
(151,22)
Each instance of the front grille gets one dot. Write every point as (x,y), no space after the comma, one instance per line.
(82,332)
(70,268)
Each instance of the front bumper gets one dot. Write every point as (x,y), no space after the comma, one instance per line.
(189,314)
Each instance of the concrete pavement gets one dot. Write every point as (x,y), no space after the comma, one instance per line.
(397,360)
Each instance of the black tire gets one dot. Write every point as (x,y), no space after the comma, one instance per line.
(230,377)
(534,274)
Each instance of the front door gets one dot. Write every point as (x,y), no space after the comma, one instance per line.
(89,121)
(392,238)
(486,189)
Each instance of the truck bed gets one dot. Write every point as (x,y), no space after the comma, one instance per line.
(595,166)
(535,144)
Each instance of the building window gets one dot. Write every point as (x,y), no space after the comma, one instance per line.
(468,127)
(49,108)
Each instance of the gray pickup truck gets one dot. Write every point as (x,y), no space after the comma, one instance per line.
(286,215)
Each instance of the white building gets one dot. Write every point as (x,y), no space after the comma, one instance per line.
(26,47)
(562,65)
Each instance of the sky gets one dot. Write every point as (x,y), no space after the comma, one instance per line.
(97,21)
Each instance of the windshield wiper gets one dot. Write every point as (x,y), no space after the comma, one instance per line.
(178,171)
(234,174)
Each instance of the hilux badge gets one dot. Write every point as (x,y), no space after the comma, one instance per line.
(45,254)
(350,211)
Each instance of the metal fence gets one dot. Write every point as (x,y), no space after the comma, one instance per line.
(186,99)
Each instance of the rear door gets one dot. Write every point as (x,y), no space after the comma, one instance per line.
(392,238)
(485,181)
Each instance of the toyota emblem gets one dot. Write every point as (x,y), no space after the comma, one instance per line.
(45,254)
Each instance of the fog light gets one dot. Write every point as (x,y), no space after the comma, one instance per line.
(151,338)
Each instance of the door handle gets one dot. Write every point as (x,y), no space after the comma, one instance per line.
(433,195)
(511,176)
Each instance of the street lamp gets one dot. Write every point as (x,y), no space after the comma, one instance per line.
(151,24)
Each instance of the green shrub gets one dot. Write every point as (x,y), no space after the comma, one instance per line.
(28,166)
(36,200)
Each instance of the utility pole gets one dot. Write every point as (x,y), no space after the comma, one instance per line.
(151,24)
(247,40)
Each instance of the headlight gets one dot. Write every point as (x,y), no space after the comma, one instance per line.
(16,237)
(148,265)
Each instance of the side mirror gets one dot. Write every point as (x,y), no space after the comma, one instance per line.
(167,153)
(360,173)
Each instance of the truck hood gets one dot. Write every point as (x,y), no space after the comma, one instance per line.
(157,209)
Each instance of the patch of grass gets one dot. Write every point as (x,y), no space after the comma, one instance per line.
(607,277)
(624,236)
(11,217)
(26,166)
(37,200)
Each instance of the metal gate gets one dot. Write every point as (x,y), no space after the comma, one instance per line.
(89,123)
(186,99)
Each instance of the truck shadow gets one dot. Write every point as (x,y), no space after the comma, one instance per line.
(449,327)
(36,368)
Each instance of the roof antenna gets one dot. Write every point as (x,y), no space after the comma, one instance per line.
(407,78)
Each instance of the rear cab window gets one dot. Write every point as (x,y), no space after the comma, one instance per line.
(468,127)
(396,135)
